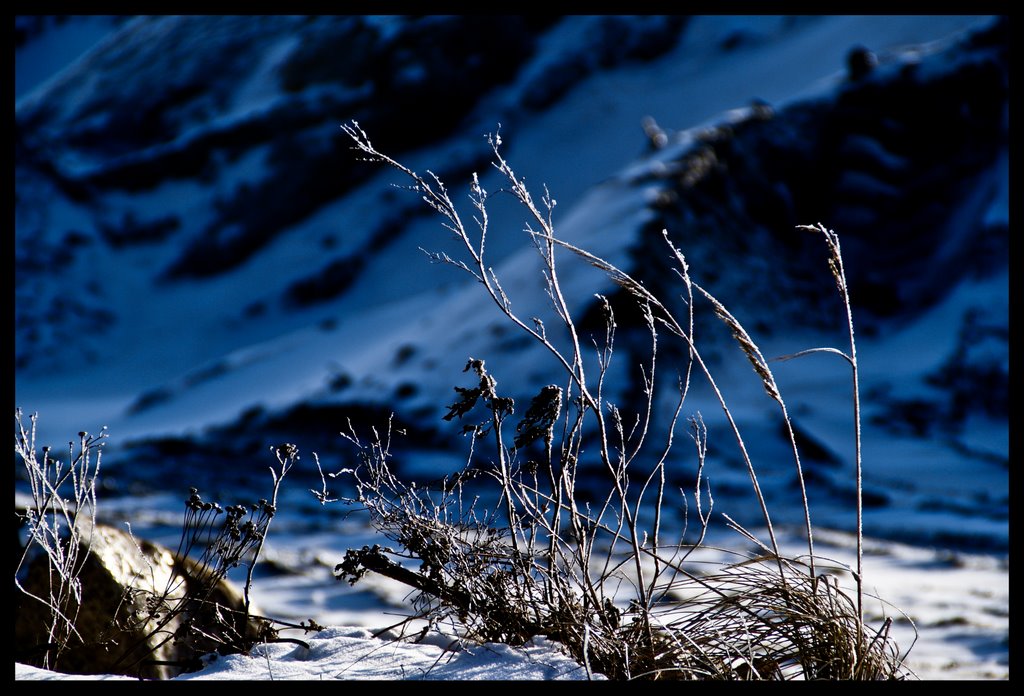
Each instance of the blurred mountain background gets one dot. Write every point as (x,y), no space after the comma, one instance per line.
(204,265)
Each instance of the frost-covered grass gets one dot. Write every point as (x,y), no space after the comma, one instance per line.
(627,598)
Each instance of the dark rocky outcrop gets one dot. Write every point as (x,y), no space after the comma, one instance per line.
(898,161)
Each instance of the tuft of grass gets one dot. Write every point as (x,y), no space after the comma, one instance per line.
(194,612)
(62,512)
(601,574)
(172,608)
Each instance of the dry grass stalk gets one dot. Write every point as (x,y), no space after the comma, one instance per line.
(592,574)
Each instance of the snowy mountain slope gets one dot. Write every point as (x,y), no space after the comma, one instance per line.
(225,263)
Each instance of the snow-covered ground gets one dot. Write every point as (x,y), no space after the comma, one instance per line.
(950,610)
(188,346)
(354,653)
